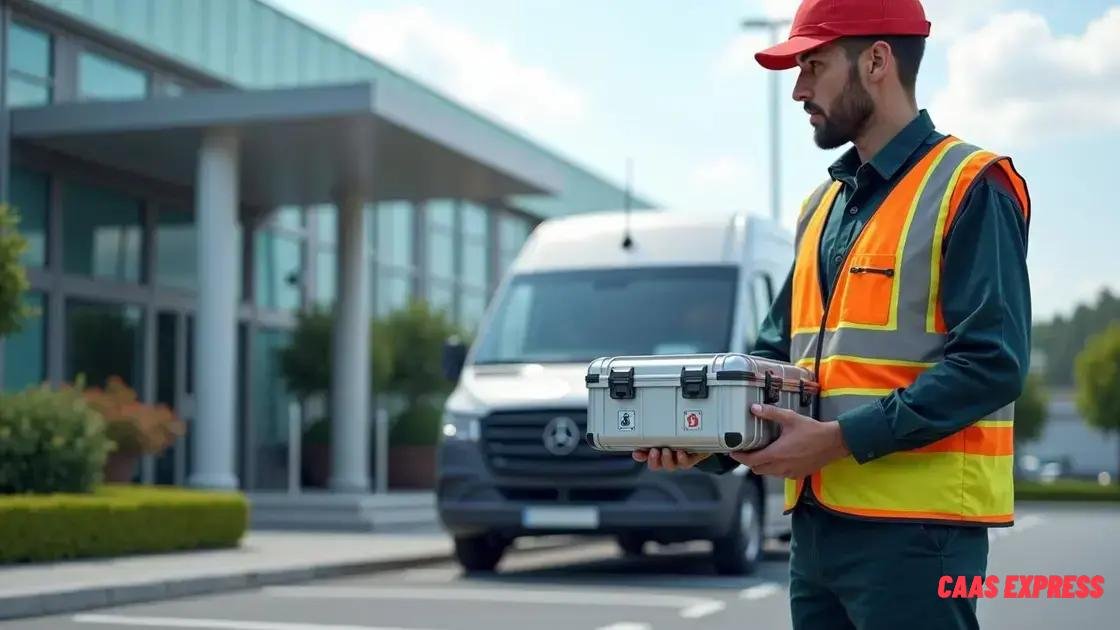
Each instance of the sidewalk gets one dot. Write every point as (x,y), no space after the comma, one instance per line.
(263,558)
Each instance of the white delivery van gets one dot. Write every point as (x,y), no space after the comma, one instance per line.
(513,462)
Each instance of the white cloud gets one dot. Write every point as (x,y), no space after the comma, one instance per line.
(728,183)
(480,72)
(1013,83)
(952,18)
(738,56)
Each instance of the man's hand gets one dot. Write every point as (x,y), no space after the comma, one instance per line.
(803,448)
(668,458)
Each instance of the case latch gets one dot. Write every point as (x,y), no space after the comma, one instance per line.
(771,388)
(805,397)
(621,383)
(694,382)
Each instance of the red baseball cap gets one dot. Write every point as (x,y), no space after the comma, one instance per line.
(819,22)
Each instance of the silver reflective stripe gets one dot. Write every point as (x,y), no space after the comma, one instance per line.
(871,344)
(917,252)
(1007,412)
(810,209)
(833,406)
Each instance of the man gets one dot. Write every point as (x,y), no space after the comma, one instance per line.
(910,300)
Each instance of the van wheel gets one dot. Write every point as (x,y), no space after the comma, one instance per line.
(479,554)
(739,551)
(631,544)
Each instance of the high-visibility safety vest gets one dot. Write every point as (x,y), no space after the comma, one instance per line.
(880,328)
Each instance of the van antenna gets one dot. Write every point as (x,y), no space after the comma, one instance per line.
(628,242)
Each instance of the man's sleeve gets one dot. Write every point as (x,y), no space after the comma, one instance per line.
(987,308)
(772,343)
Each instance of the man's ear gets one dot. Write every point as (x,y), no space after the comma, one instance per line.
(877,61)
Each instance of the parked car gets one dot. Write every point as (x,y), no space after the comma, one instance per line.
(513,462)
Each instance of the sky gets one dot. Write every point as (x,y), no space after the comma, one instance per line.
(673,85)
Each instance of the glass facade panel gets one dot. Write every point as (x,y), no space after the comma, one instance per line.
(176,250)
(107,79)
(325,276)
(278,268)
(394,233)
(474,220)
(218,15)
(441,297)
(25,349)
(30,193)
(104,340)
(289,217)
(326,224)
(393,292)
(472,307)
(441,213)
(29,70)
(441,255)
(474,264)
(270,407)
(102,233)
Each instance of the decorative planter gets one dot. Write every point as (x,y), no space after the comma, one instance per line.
(412,467)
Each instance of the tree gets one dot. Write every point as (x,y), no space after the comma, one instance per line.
(306,361)
(1030,410)
(1098,380)
(13,277)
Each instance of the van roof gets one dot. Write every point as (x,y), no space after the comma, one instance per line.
(594,240)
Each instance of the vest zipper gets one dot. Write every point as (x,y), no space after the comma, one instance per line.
(886,272)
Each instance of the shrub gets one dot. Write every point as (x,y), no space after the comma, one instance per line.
(1066,490)
(118,520)
(418,425)
(135,427)
(50,441)
(13,277)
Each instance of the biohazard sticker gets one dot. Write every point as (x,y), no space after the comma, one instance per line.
(627,419)
(693,420)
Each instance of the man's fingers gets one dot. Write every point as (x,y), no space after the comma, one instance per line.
(641,455)
(654,459)
(668,460)
(776,414)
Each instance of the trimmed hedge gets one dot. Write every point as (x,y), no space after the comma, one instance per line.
(118,520)
(1066,490)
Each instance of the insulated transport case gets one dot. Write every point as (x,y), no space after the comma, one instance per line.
(698,402)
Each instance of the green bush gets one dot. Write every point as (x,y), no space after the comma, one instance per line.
(418,425)
(1066,490)
(50,441)
(118,520)
(13,277)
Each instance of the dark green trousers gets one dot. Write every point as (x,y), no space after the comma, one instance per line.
(848,574)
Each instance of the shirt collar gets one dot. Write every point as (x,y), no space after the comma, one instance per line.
(892,157)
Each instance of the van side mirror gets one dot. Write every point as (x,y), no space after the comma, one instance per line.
(454,356)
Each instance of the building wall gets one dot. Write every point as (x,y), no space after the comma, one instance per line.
(112,258)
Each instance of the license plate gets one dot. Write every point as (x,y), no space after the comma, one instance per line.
(566,517)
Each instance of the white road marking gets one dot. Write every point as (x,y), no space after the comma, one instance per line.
(688,607)
(1021,525)
(627,625)
(697,611)
(760,591)
(215,624)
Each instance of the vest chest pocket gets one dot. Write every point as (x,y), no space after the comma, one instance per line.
(868,288)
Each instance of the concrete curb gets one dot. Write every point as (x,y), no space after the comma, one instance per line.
(68,600)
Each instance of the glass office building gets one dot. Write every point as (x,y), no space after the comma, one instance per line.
(192,173)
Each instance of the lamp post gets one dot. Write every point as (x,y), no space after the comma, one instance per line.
(775,150)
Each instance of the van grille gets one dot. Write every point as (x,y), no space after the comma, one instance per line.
(513,443)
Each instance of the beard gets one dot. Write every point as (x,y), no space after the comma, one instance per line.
(850,113)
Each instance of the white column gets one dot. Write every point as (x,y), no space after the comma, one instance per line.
(216,200)
(350,367)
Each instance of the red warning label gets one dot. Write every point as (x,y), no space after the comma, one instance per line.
(692,420)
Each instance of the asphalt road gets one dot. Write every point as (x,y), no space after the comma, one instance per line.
(593,587)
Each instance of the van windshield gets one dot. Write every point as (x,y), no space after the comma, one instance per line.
(577,316)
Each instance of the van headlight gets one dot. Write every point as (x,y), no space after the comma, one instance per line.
(459,426)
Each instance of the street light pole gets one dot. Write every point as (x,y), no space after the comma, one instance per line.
(775,119)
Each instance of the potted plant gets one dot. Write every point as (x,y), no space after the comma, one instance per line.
(415,336)
(136,428)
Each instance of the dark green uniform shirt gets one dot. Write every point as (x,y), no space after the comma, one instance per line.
(985,299)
